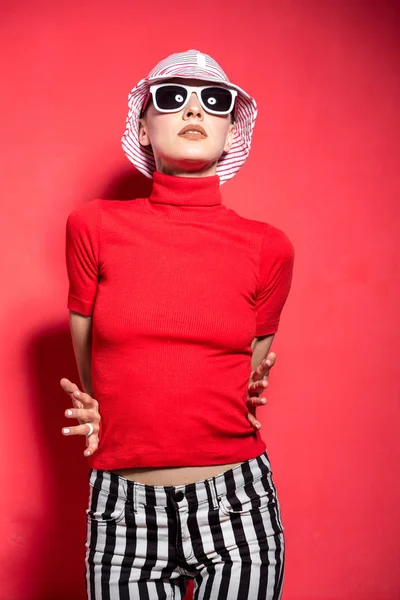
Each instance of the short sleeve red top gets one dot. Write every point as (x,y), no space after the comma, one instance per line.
(177,286)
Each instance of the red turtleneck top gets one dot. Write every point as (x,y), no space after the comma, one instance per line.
(177,286)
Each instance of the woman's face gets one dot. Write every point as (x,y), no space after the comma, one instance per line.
(178,155)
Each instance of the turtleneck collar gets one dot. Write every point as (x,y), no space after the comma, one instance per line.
(186,198)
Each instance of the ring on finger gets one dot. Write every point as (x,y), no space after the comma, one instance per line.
(90,429)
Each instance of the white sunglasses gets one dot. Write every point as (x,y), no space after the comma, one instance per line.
(172,97)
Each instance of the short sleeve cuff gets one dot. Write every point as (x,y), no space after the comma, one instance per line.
(266,329)
(79,306)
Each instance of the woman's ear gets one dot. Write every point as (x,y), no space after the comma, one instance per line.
(229,137)
(144,139)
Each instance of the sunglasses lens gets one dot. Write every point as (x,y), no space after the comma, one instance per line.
(217,98)
(171,97)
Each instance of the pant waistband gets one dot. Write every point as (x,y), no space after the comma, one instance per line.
(209,489)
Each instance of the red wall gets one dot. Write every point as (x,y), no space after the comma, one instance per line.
(324,167)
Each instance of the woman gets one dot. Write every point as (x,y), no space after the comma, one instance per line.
(174,301)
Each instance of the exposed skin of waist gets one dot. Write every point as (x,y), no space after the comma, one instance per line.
(173,475)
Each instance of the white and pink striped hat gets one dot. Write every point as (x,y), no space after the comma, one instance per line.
(191,64)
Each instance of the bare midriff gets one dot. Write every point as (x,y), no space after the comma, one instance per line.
(173,475)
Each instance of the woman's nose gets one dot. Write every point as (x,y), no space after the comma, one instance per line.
(194,106)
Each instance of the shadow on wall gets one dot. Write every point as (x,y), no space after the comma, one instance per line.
(127,185)
(56,537)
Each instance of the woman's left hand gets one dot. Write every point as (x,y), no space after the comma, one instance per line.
(258,382)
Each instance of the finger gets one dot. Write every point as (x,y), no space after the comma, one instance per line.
(257,400)
(260,385)
(85,398)
(269,361)
(271,358)
(80,430)
(82,414)
(93,444)
(254,422)
(256,388)
(69,387)
(262,371)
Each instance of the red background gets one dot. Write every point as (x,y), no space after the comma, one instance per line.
(324,167)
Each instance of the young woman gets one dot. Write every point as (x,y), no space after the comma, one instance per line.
(174,301)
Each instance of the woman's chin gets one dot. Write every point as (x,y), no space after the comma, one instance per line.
(191,159)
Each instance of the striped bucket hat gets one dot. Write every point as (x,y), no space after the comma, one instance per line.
(191,64)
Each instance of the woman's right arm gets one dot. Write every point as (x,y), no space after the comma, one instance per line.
(81,333)
(82,253)
(85,407)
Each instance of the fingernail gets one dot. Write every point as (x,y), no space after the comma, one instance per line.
(88,452)
(66,430)
(69,412)
(77,393)
(265,383)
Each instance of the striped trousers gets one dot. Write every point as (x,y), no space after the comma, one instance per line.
(146,542)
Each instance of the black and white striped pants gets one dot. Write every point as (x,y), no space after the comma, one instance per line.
(145,542)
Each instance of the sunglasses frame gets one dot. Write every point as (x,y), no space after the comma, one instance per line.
(190,89)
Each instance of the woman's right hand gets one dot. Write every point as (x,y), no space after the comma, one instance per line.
(85,410)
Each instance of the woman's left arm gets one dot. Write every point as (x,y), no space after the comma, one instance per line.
(258,379)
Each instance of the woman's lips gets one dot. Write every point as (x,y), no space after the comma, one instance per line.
(193,136)
(193,131)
